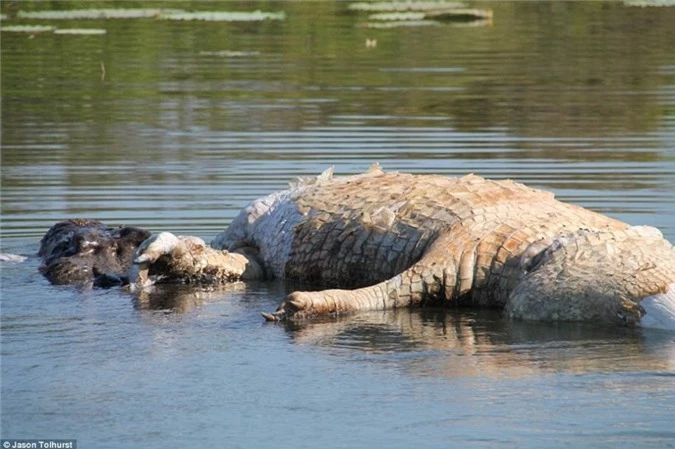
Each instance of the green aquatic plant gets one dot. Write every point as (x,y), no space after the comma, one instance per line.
(33,29)
(229,53)
(27,28)
(224,16)
(80,31)
(75,14)
(400,24)
(157,13)
(395,16)
(444,14)
(405,6)
(644,3)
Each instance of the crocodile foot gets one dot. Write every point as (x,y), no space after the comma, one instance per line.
(297,305)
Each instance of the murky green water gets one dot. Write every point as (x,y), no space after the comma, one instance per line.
(176,125)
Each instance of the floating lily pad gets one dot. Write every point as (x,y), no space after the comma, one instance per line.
(75,14)
(405,6)
(28,28)
(224,16)
(82,31)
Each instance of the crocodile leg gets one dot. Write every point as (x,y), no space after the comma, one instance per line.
(421,283)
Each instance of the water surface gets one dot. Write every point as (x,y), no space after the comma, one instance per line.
(177,125)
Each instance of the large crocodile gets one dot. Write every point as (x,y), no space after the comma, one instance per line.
(386,240)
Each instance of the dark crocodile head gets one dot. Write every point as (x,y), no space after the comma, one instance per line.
(86,252)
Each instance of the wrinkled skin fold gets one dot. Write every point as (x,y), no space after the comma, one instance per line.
(388,240)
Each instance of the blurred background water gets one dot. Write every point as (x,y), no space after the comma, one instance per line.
(174,125)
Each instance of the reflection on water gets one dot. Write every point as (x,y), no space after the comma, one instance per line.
(456,343)
(190,121)
(182,298)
